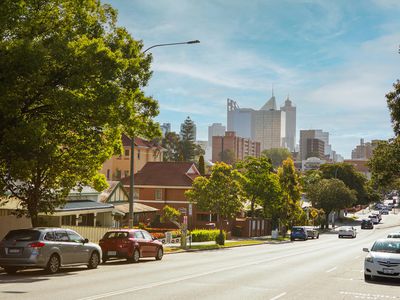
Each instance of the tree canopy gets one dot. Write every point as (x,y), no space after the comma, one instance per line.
(70,83)
(277,155)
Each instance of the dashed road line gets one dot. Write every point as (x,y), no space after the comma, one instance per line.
(279,296)
(332,269)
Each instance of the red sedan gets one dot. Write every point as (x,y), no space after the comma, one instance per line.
(131,244)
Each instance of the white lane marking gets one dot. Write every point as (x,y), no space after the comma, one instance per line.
(277,297)
(368,296)
(332,269)
(175,280)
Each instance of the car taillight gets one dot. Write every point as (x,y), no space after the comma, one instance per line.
(36,245)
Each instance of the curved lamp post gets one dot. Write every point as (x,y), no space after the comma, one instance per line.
(131,182)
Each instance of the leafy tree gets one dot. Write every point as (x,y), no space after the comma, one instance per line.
(173,215)
(393,101)
(351,178)
(256,172)
(70,83)
(331,195)
(171,144)
(227,156)
(220,194)
(277,155)
(291,209)
(202,166)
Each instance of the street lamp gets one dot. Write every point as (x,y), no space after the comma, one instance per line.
(131,182)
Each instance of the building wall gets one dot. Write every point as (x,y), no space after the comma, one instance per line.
(216,129)
(290,124)
(270,128)
(117,167)
(240,120)
(315,148)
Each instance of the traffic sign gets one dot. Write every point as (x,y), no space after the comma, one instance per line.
(314,214)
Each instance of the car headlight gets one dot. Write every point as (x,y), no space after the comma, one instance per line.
(369,259)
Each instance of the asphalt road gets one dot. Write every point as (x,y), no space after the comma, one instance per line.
(327,268)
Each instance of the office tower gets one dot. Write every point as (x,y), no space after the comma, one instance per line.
(239,119)
(314,134)
(364,150)
(290,111)
(216,129)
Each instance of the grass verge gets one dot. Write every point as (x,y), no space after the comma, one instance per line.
(215,246)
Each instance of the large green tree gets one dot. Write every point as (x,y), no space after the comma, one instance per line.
(277,155)
(256,172)
(352,179)
(70,83)
(330,195)
(220,194)
(187,142)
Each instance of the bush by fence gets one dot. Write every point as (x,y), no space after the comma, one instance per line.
(205,235)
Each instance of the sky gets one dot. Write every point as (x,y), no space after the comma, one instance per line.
(336,60)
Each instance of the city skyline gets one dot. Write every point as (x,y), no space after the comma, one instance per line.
(336,60)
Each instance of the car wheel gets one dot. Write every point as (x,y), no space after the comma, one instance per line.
(53,266)
(367,277)
(318,236)
(11,270)
(292,239)
(160,254)
(135,256)
(340,236)
(94,260)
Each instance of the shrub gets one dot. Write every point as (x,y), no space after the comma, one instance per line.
(205,235)
(158,235)
(220,239)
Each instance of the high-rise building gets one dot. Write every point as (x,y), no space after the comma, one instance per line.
(364,150)
(239,119)
(216,129)
(290,111)
(230,148)
(315,148)
(314,134)
(271,127)
(165,128)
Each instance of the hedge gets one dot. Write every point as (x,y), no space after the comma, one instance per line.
(205,235)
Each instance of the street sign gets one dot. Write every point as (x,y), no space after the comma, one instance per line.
(314,214)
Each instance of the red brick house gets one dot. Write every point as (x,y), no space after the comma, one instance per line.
(164,183)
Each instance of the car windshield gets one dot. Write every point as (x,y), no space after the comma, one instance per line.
(386,246)
(22,235)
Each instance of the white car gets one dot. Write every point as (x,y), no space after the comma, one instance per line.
(394,235)
(374,219)
(348,231)
(383,260)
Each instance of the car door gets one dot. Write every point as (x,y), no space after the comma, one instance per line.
(80,252)
(65,246)
(151,247)
(141,241)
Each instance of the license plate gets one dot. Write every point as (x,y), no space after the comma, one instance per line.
(112,253)
(388,271)
(13,251)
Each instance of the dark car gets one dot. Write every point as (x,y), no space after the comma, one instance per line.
(47,248)
(131,244)
(298,233)
(367,224)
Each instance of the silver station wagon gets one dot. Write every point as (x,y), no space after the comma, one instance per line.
(47,248)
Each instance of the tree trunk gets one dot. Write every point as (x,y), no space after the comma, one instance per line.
(327,220)
(252,208)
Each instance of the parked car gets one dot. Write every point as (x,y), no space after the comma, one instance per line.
(384,211)
(298,233)
(394,235)
(374,219)
(131,244)
(367,224)
(383,260)
(378,214)
(348,231)
(48,248)
(312,232)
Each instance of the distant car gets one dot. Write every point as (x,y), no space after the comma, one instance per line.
(367,224)
(394,235)
(374,219)
(383,260)
(378,205)
(47,248)
(298,233)
(384,211)
(312,232)
(347,231)
(378,214)
(131,244)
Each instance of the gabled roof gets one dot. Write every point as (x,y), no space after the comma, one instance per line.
(139,142)
(112,188)
(165,174)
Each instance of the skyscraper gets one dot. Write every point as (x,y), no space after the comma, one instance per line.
(313,134)
(239,119)
(290,111)
(216,129)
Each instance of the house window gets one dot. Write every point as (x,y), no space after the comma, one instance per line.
(108,174)
(126,173)
(138,154)
(158,194)
(118,174)
(126,152)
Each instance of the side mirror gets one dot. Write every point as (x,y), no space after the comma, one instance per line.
(85,241)
(365,250)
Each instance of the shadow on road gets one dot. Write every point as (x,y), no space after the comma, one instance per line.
(384,281)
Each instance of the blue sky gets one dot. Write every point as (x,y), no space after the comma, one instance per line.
(336,60)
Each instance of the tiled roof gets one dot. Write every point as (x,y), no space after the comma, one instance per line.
(139,142)
(165,174)
(137,208)
(83,205)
